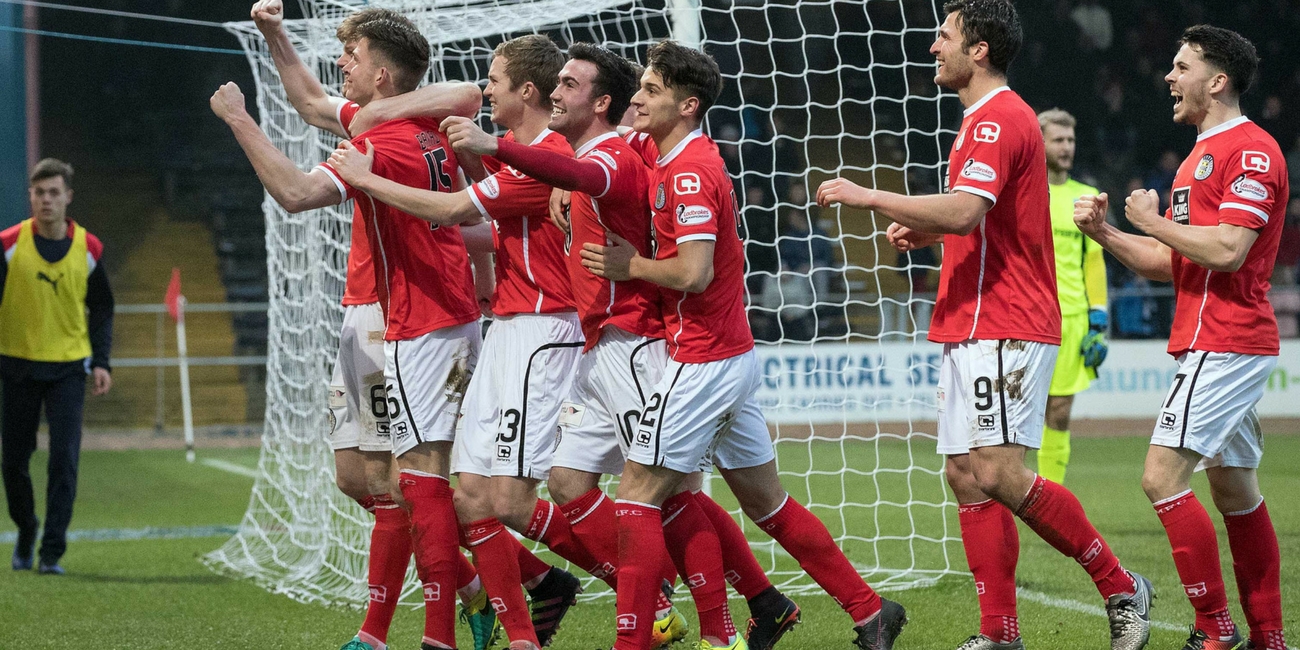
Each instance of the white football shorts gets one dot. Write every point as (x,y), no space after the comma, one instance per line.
(510,418)
(358,404)
(1210,408)
(993,392)
(702,411)
(604,408)
(426,381)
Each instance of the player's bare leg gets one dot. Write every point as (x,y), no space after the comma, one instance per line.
(1054,455)
(1056,515)
(1256,561)
(877,622)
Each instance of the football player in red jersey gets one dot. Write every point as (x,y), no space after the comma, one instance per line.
(998,319)
(433,317)
(1218,244)
(512,407)
(626,353)
(704,407)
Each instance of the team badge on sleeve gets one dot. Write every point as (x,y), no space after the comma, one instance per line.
(987,132)
(978,171)
(690,215)
(686,183)
(1249,189)
(1255,161)
(1205,167)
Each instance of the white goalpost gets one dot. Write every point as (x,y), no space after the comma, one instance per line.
(813,90)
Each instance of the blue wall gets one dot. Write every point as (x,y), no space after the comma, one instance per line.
(13,119)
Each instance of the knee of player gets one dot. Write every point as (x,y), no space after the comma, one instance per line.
(353,488)
(513,511)
(470,504)
(565,485)
(760,502)
(1158,484)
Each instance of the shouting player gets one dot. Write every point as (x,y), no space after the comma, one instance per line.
(1217,243)
(625,353)
(360,434)
(424,284)
(704,407)
(1081,290)
(999,323)
(512,409)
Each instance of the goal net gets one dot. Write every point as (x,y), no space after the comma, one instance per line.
(813,90)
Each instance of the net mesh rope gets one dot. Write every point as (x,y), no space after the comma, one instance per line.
(812,90)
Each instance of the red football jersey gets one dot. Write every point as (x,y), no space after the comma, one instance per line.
(693,200)
(530,256)
(359,285)
(424,280)
(633,305)
(999,282)
(1235,175)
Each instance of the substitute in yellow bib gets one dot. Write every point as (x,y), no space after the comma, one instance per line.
(1081,287)
(56,328)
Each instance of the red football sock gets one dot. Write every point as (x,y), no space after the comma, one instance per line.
(1196,556)
(1057,516)
(988,533)
(640,564)
(531,567)
(497,560)
(1258,567)
(390,553)
(551,528)
(433,526)
(697,552)
(742,570)
(591,518)
(806,539)
(465,573)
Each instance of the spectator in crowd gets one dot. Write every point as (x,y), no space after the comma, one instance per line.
(793,294)
(56,328)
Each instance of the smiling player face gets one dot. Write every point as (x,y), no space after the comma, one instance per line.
(950,53)
(1189,82)
(572,106)
(360,73)
(503,95)
(655,107)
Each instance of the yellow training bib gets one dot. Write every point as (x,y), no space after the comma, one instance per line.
(43,312)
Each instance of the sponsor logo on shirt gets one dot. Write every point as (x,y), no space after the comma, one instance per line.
(605,158)
(686,183)
(1204,168)
(985,422)
(1249,189)
(690,215)
(1168,419)
(660,197)
(987,132)
(1257,161)
(1182,205)
(489,187)
(978,171)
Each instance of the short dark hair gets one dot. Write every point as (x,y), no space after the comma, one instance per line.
(397,39)
(992,21)
(615,76)
(534,59)
(1226,50)
(687,72)
(49,168)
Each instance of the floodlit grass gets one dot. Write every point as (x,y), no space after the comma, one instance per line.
(155,594)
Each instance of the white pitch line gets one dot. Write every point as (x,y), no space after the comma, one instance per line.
(1083,608)
(133,534)
(227,466)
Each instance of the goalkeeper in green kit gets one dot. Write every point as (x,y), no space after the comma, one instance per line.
(1081,288)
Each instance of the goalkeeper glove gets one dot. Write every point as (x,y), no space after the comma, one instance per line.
(1095,346)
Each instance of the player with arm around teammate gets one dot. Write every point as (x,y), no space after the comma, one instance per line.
(704,406)
(1218,244)
(1081,290)
(998,320)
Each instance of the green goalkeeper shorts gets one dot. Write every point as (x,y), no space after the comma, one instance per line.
(1070,375)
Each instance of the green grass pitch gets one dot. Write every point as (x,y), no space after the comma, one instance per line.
(154,593)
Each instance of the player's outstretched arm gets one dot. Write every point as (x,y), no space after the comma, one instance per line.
(1145,256)
(563,172)
(691,270)
(442,208)
(304,90)
(436,100)
(1220,248)
(954,213)
(294,189)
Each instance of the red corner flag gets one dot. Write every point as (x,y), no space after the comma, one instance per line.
(174,295)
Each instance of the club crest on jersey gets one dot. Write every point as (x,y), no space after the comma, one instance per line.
(987,132)
(1249,189)
(1182,205)
(660,197)
(690,215)
(978,171)
(1204,168)
(1255,161)
(961,137)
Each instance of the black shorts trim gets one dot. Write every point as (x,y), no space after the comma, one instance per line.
(1187,406)
(1002,396)
(401,390)
(523,409)
(631,366)
(663,410)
